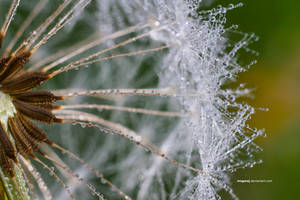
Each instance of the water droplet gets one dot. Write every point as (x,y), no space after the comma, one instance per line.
(127,197)
(138,138)
(230,6)
(235,26)
(103,181)
(239,5)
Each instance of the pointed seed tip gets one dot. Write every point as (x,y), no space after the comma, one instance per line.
(59,120)
(60,98)
(50,143)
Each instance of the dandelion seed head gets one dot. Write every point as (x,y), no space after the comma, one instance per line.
(192,152)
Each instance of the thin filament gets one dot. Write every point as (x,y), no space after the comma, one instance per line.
(133,39)
(77,64)
(117,129)
(153,150)
(120,108)
(86,59)
(37,33)
(163,92)
(99,175)
(57,178)
(42,185)
(82,47)
(62,22)
(69,171)
(12,11)
(25,25)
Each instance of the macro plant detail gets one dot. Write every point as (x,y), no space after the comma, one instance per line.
(209,140)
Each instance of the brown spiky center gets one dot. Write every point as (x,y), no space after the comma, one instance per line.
(20,105)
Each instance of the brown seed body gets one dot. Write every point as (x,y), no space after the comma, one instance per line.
(7,146)
(37,97)
(33,131)
(29,105)
(14,65)
(24,82)
(35,112)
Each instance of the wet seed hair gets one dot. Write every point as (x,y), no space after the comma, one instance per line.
(20,137)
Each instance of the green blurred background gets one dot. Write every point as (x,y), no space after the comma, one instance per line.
(276,78)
